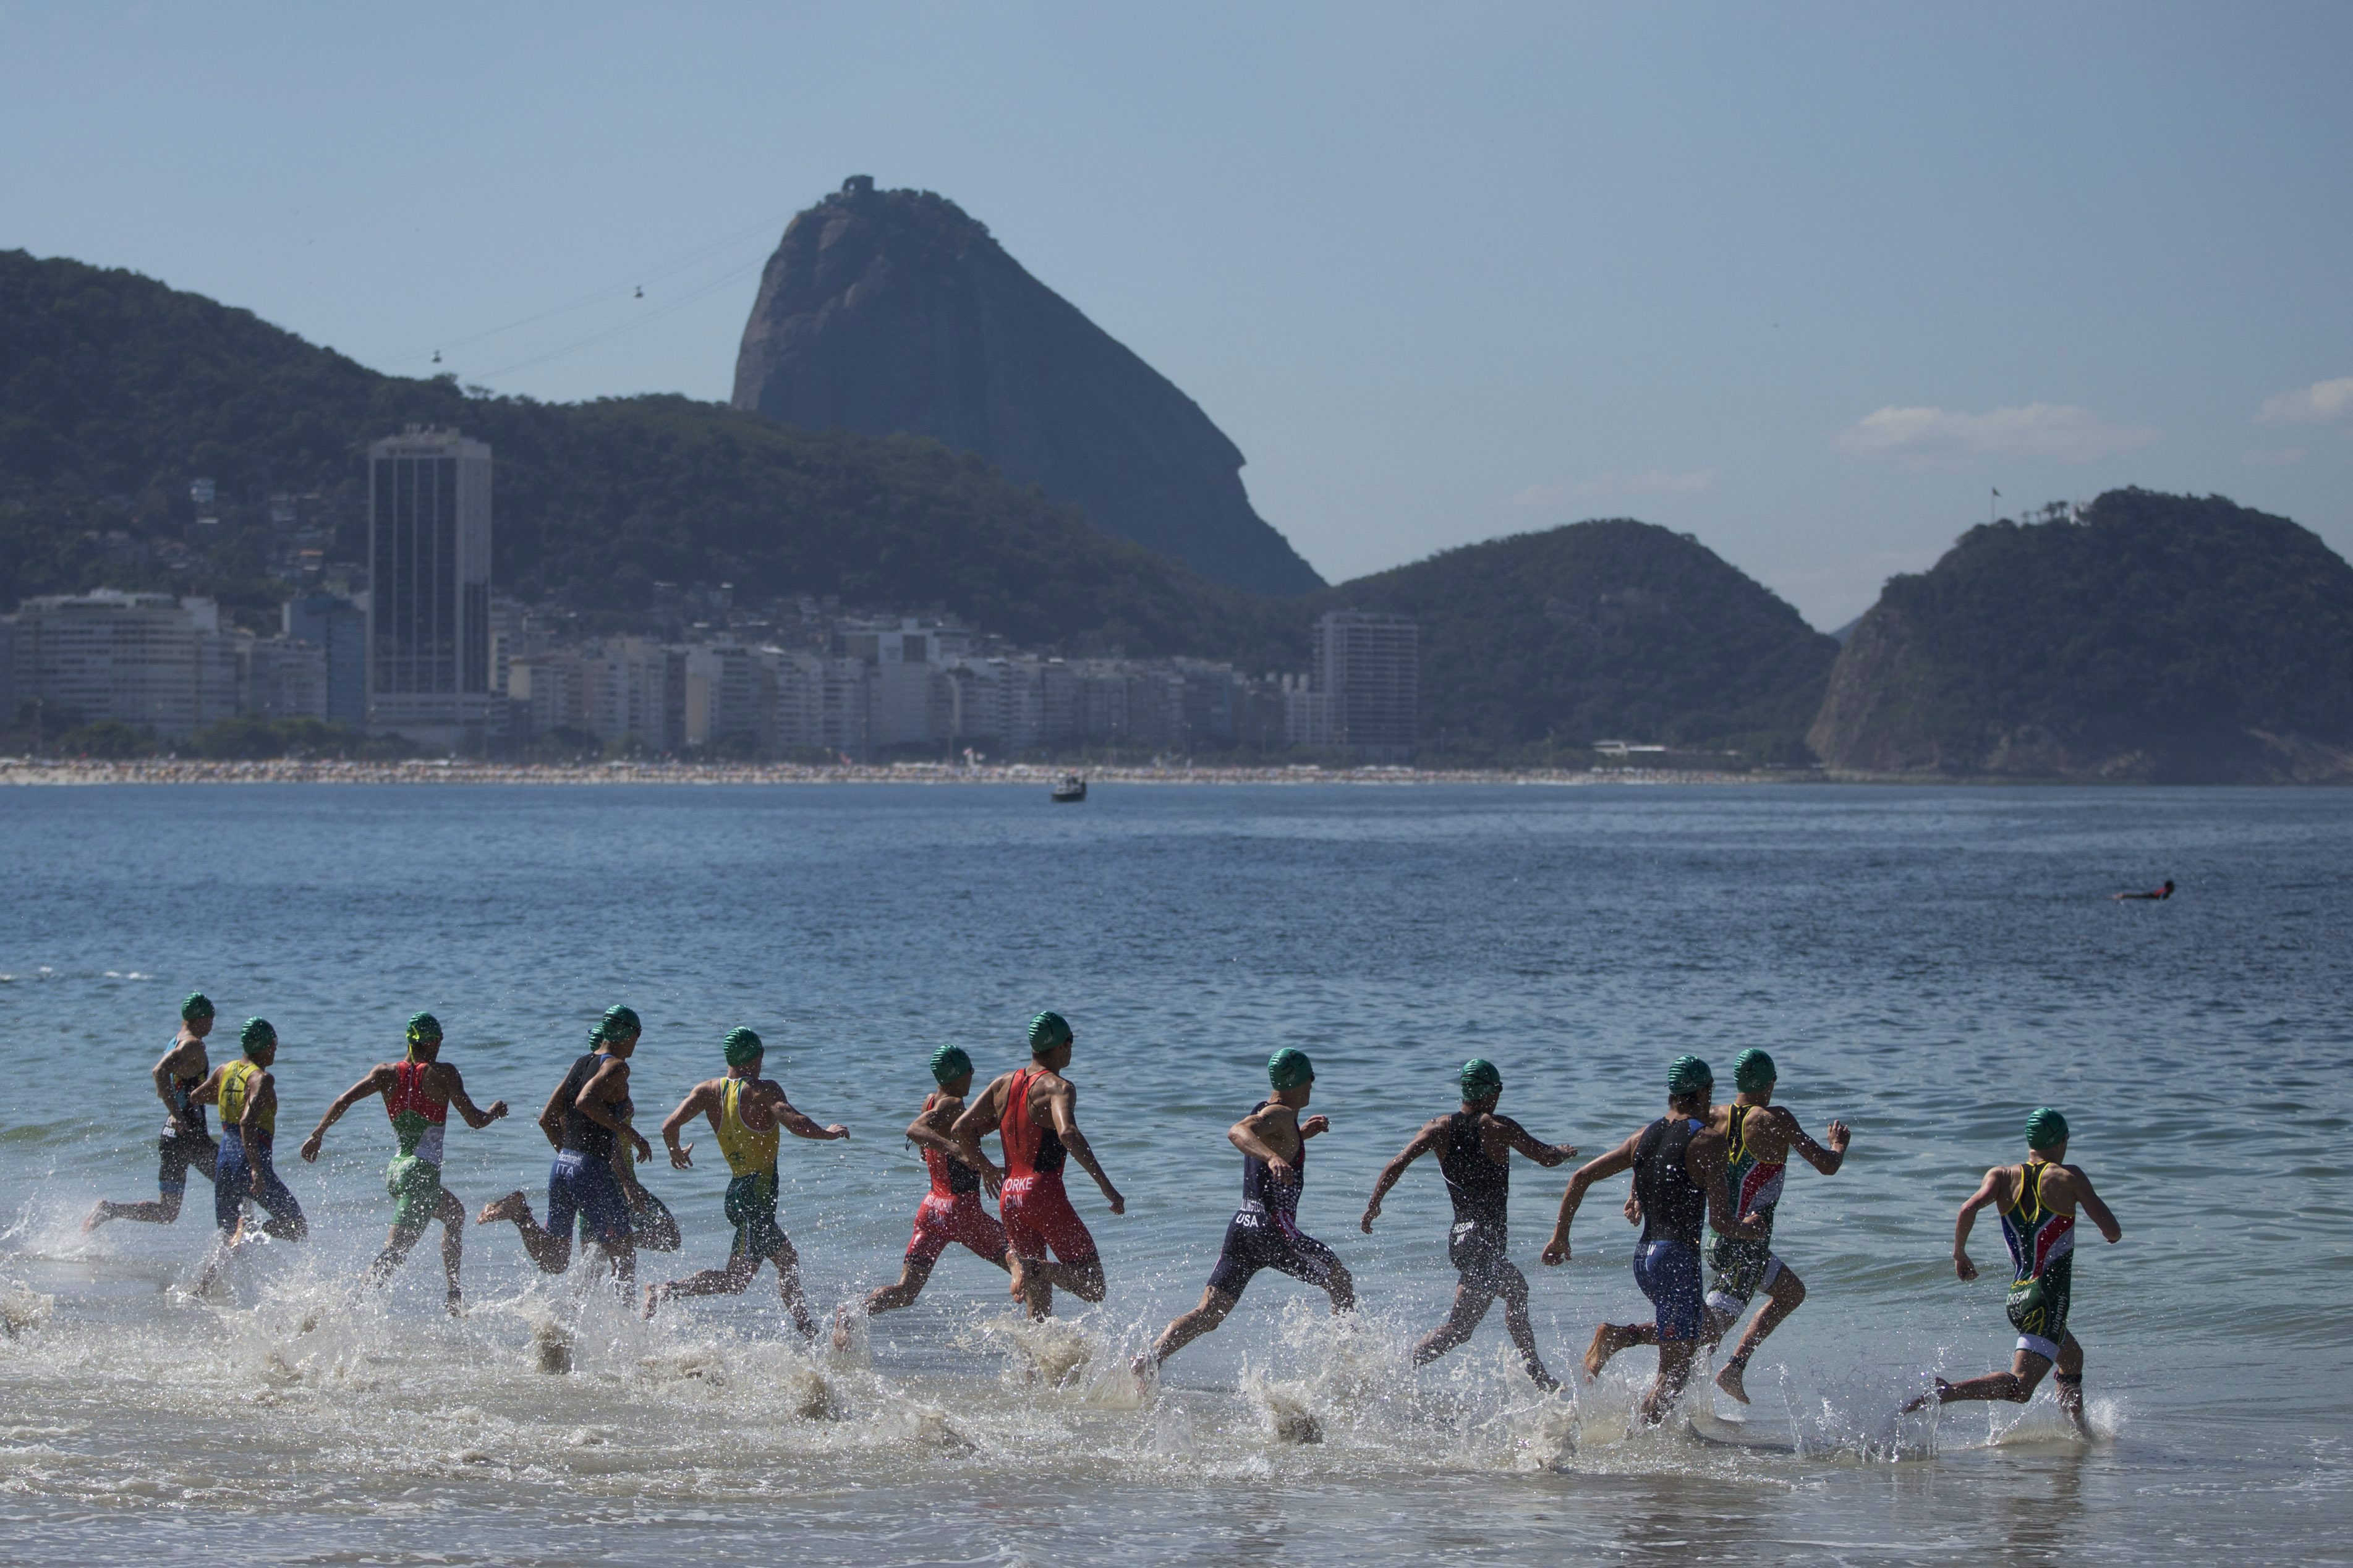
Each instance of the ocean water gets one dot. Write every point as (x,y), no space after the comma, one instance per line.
(1927,964)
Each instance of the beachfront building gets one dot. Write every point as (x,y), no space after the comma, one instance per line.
(1369,664)
(145,659)
(428,616)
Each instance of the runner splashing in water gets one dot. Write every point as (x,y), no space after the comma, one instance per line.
(952,1212)
(248,1096)
(747,1112)
(418,1091)
(583,1120)
(1759,1138)
(1265,1232)
(1679,1165)
(2038,1202)
(185,1145)
(1474,1147)
(1034,1112)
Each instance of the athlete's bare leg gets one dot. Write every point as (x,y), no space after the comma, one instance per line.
(1674,1370)
(1610,1338)
(551,1252)
(1470,1307)
(1523,1332)
(2015,1386)
(1034,1279)
(1183,1331)
(732,1280)
(1783,1297)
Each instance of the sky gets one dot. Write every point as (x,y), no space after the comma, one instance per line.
(1807,281)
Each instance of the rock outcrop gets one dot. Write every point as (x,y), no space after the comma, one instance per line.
(2153,639)
(890,312)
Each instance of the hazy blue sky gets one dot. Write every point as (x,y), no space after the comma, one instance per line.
(1802,279)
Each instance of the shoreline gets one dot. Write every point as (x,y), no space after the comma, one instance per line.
(37,771)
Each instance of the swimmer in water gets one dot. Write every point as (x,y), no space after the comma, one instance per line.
(952,1212)
(2038,1202)
(1265,1232)
(747,1112)
(418,1091)
(1474,1148)
(1035,1113)
(1680,1164)
(247,1094)
(2154,893)
(185,1145)
(582,1121)
(1758,1137)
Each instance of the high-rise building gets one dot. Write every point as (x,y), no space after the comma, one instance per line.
(339,627)
(1369,666)
(136,659)
(429,619)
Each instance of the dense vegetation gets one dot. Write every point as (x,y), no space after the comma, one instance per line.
(1548,641)
(2163,625)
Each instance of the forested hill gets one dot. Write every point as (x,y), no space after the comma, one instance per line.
(116,390)
(2160,638)
(1592,630)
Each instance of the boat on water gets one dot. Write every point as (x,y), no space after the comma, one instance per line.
(1071,790)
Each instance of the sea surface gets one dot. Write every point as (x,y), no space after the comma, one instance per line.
(1927,964)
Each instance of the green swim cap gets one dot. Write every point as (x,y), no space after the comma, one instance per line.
(423,1026)
(259,1033)
(617,1024)
(197,1006)
(948,1064)
(1047,1030)
(1752,1072)
(2046,1128)
(1688,1075)
(742,1047)
(1289,1067)
(1479,1079)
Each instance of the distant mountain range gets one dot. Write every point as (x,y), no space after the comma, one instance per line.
(2160,638)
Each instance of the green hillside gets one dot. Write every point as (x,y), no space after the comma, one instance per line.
(2161,636)
(115,391)
(1599,630)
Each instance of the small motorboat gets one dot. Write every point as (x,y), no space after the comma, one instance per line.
(1071,790)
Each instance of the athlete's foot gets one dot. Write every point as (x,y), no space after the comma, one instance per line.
(842,1327)
(1544,1380)
(98,1216)
(1925,1400)
(455,1303)
(515,1205)
(1019,1285)
(653,1300)
(1608,1340)
(1729,1380)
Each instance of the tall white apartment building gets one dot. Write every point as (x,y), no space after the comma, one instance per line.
(135,658)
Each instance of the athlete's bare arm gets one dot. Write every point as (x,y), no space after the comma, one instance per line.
(702,1100)
(1826,1160)
(1273,1133)
(1706,1160)
(208,1092)
(1600,1169)
(1524,1142)
(792,1119)
(263,1095)
(1062,1106)
(452,1089)
(932,1127)
(613,1081)
(1989,1192)
(379,1081)
(550,1116)
(1423,1142)
(2089,1201)
(977,1121)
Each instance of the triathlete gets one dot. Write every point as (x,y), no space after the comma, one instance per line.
(2038,1202)
(1680,1186)
(583,1120)
(418,1091)
(185,1145)
(746,1111)
(1034,1111)
(1265,1232)
(952,1212)
(1474,1148)
(1758,1136)
(2158,894)
(652,1228)
(248,1096)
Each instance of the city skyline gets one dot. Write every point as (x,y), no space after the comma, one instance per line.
(1807,287)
